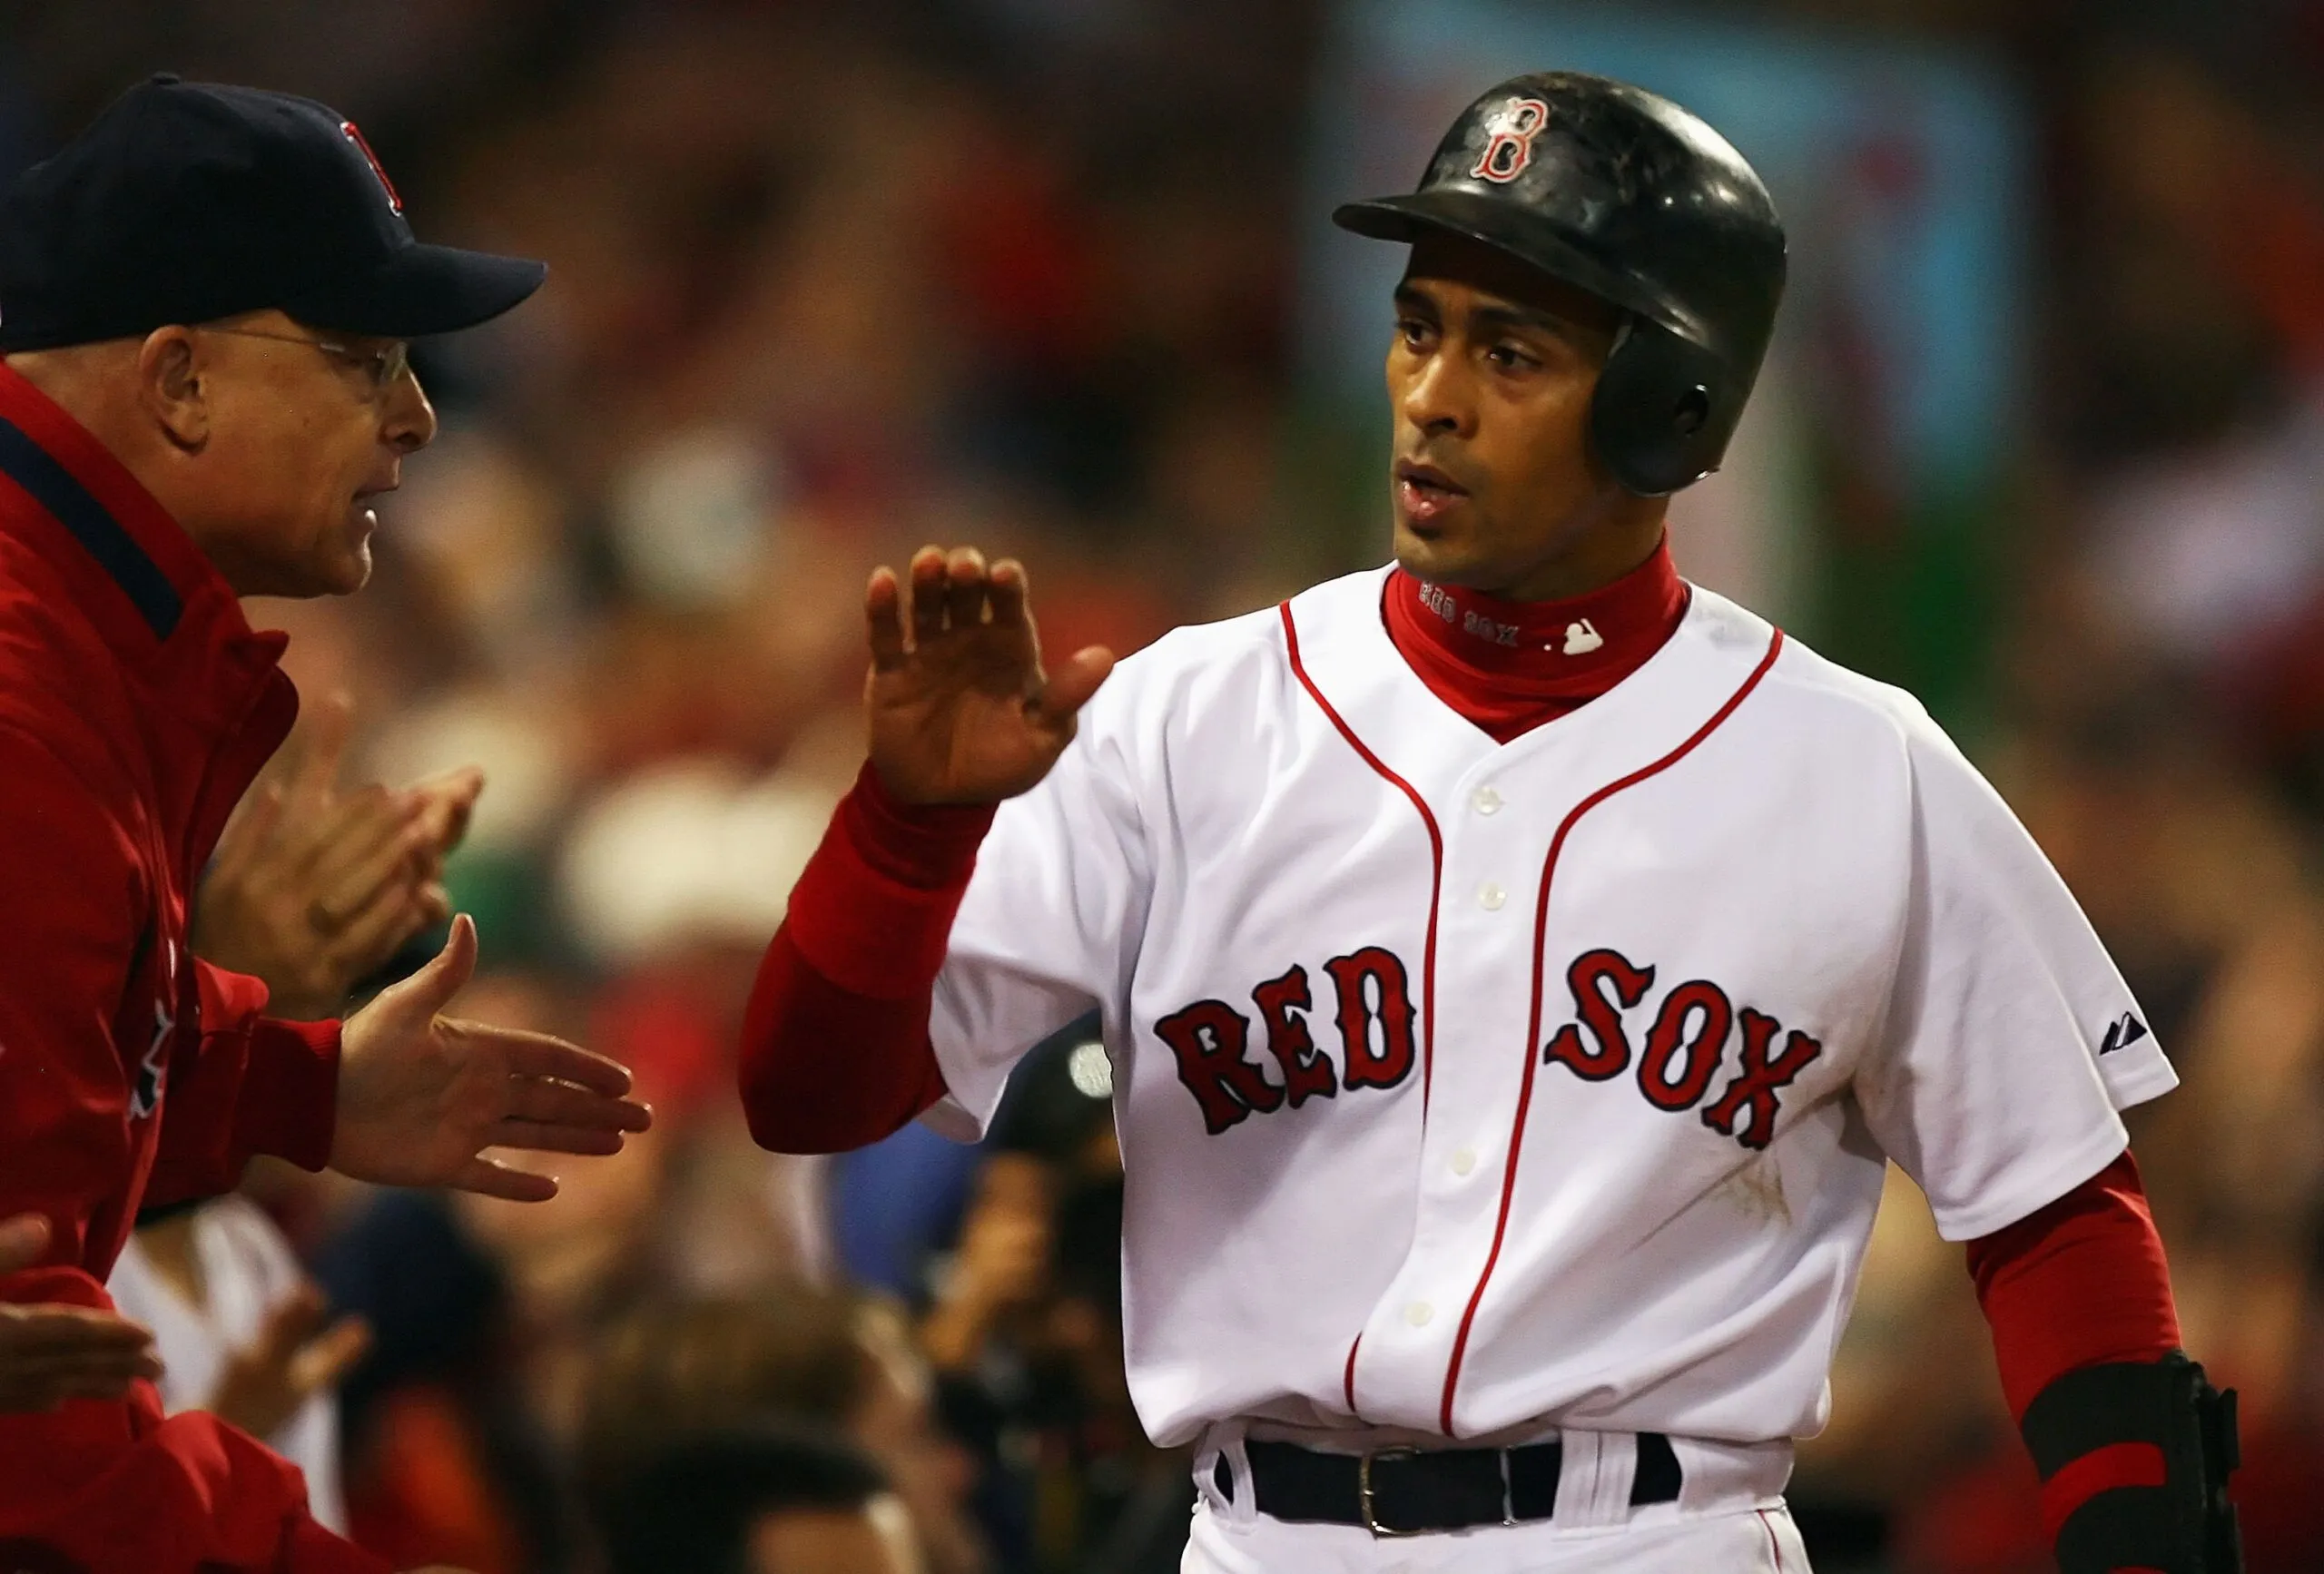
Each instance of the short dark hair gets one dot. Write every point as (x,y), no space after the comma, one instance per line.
(676,1368)
(689,1508)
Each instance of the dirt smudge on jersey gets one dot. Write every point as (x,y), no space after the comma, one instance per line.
(1757,1190)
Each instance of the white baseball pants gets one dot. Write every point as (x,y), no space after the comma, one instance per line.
(1748,1541)
(1730,1518)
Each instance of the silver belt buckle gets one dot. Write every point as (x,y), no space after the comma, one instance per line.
(1364,1491)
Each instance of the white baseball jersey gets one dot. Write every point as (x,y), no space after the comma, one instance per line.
(1462,1085)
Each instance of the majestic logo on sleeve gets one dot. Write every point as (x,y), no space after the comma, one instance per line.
(1511,149)
(1684,1048)
(2122,1033)
(1373,1013)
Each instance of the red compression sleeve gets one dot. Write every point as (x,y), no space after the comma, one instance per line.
(835,1051)
(2081,1283)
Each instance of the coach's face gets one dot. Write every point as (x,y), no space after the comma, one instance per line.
(289,433)
(1489,376)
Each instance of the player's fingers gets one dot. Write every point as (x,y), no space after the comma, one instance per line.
(542,1055)
(362,892)
(395,913)
(328,842)
(965,587)
(557,1103)
(443,976)
(927,594)
(1006,593)
(541,1136)
(883,618)
(446,803)
(253,824)
(491,1178)
(23,1239)
(53,1332)
(330,1357)
(116,1367)
(1071,686)
(431,905)
(289,1324)
(318,772)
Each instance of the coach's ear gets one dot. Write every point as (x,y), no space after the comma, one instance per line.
(170,386)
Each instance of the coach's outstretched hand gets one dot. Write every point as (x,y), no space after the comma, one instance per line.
(959,709)
(421,1096)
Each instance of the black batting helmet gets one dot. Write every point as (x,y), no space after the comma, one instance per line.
(1623,194)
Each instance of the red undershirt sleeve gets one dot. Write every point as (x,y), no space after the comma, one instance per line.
(2081,1283)
(835,1051)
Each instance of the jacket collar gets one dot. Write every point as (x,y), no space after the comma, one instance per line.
(135,573)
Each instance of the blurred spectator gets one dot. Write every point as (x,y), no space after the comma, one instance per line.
(242,1334)
(757,1502)
(1026,1331)
(830,1358)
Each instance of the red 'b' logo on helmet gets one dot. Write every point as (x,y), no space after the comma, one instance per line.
(1521,120)
(346,129)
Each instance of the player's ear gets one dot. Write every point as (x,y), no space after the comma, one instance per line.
(171,385)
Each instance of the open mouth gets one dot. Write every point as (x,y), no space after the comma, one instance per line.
(1424,493)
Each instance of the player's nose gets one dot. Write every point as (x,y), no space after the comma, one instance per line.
(1436,397)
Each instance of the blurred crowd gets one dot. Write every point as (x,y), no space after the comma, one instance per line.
(831,280)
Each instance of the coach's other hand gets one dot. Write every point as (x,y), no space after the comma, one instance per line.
(312,889)
(959,708)
(49,1354)
(421,1096)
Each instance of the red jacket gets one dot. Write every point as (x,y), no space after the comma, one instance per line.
(135,707)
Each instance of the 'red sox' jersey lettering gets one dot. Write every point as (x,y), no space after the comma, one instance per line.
(1210,1039)
(1684,1048)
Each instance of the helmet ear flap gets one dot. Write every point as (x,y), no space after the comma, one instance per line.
(1663,410)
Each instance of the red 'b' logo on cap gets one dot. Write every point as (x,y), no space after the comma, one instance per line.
(1511,149)
(346,129)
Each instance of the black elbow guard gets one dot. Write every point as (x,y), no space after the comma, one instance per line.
(2146,1449)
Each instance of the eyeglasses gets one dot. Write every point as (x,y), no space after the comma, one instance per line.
(382,368)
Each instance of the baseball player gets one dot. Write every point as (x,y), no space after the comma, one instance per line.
(1519,965)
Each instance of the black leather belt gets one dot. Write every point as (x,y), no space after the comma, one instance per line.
(1405,1492)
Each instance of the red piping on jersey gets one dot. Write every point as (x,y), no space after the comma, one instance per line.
(1533,1028)
(1773,1546)
(1348,1381)
(1436,853)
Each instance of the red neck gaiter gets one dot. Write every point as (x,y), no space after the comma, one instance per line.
(1508,666)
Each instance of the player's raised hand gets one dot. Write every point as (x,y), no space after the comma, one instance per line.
(421,1095)
(958,706)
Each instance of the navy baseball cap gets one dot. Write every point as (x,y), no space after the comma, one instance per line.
(188,201)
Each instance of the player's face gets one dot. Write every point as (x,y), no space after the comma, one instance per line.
(1489,376)
(303,440)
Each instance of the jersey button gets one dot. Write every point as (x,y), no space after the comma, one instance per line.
(1491,896)
(1418,1312)
(1464,1161)
(1487,800)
